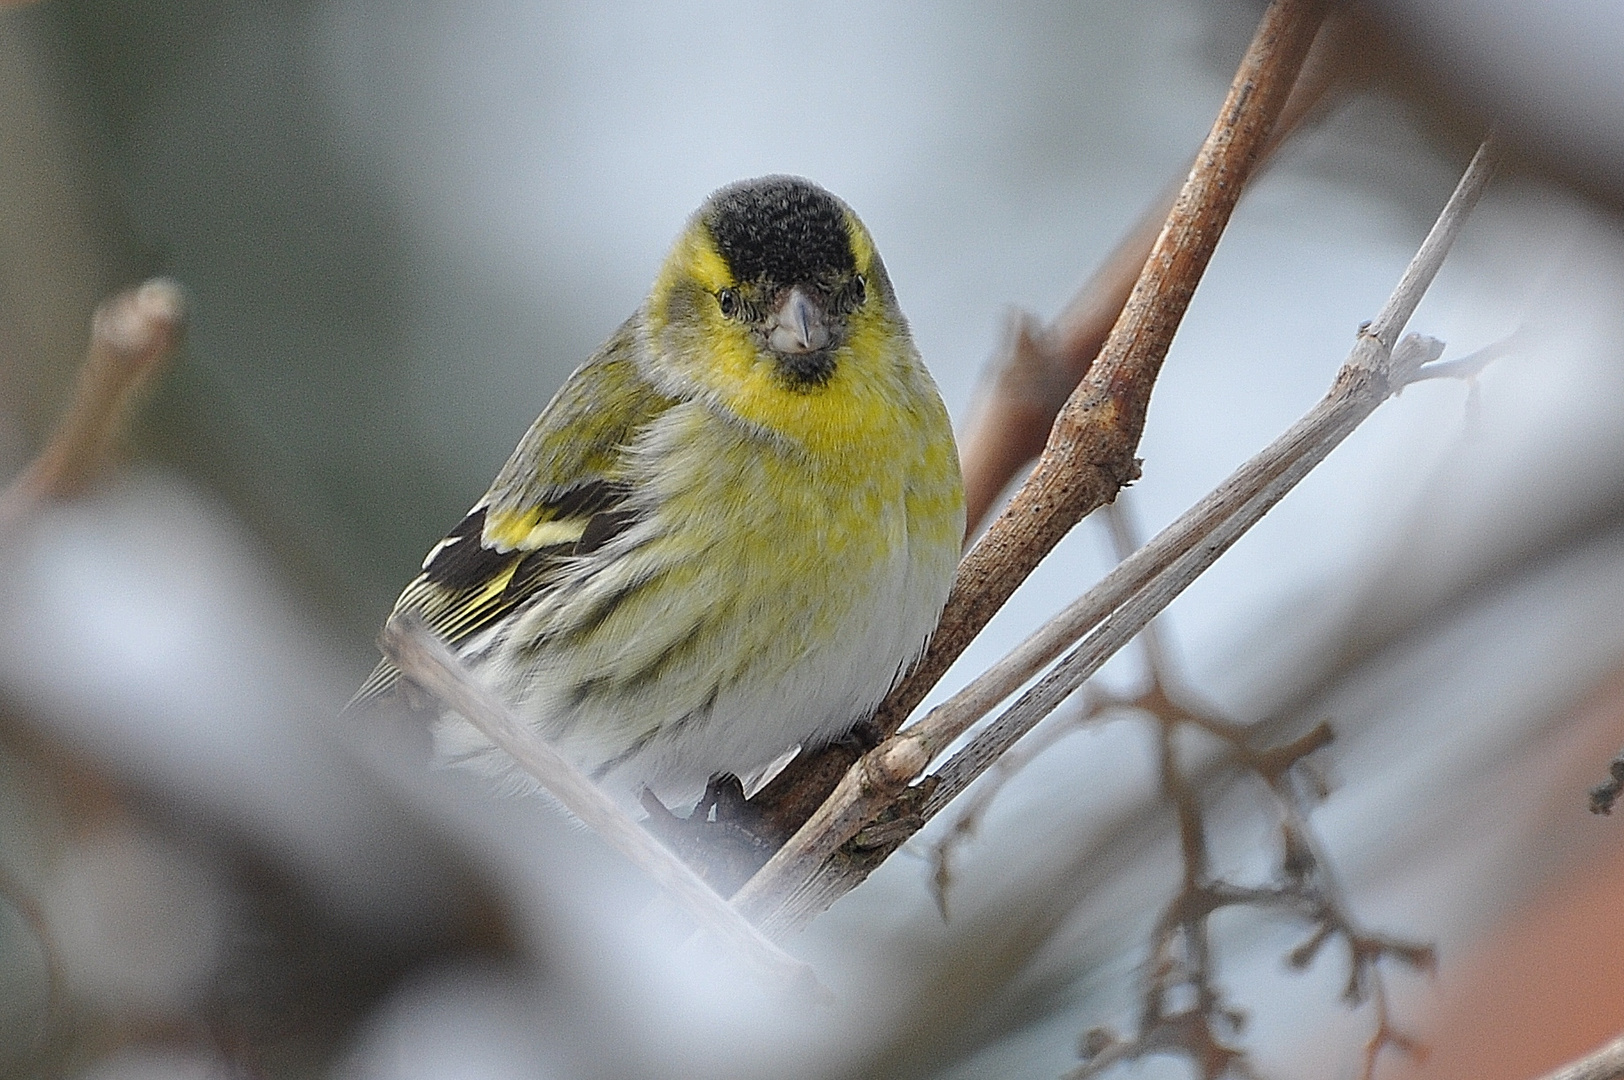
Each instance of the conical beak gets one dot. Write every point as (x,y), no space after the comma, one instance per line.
(799,325)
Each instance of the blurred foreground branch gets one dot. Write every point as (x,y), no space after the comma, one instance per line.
(53,1011)
(131,337)
(430,664)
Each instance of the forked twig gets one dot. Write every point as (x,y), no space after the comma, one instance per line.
(427,661)
(1183,1009)
(1117,608)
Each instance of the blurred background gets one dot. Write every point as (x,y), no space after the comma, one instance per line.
(400,225)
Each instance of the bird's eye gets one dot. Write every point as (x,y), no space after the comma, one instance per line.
(727,301)
(858,290)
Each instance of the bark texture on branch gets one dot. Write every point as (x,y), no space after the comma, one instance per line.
(1037,367)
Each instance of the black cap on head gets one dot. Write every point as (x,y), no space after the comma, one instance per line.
(780,229)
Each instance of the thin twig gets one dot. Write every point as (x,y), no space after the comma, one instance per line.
(1310,874)
(131,336)
(973,808)
(1471,365)
(1604,1064)
(1116,609)
(1182,1009)
(425,659)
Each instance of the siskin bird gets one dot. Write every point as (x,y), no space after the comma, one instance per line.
(731,530)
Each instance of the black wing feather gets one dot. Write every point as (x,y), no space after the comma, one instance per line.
(454,593)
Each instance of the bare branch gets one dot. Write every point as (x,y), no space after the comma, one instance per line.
(1029,383)
(131,336)
(1090,451)
(1036,368)
(1182,1009)
(426,660)
(1141,586)
(1122,604)
(1125,600)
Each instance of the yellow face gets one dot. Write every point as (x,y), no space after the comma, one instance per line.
(775,305)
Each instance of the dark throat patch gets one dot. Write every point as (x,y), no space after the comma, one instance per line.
(805,372)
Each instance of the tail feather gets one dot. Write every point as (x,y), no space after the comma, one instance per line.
(380,684)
